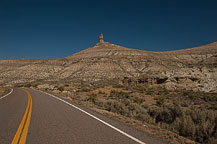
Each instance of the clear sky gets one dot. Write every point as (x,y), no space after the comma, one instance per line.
(57,28)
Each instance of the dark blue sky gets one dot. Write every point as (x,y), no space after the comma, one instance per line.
(58,28)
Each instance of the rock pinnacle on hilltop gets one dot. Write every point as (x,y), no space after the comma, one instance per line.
(101,38)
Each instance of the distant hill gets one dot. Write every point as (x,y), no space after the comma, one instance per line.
(194,68)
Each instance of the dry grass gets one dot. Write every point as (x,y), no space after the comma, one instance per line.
(107,90)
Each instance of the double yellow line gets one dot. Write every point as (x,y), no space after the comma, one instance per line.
(20,136)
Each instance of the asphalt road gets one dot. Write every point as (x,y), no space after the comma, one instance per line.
(34,117)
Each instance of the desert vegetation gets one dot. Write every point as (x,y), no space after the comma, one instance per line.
(191,114)
(194,117)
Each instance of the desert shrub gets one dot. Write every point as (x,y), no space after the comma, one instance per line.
(193,97)
(154,111)
(28,85)
(186,93)
(117,107)
(119,94)
(196,115)
(210,97)
(117,86)
(190,94)
(184,126)
(92,97)
(165,126)
(128,109)
(101,103)
(100,86)
(138,100)
(139,113)
(176,126)
(187,127)
(185,103)
(85,90)
(166,114)
(206,127)
(159,100)
(101,92)
(61,88)
(176,110)
(135,110)
(150,91)
(161,91)
(66,85)
(216,121)
(197,124)
(34,84)
(139,88)
(126,102)
(145,106)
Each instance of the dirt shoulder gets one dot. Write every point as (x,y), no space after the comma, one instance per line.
(4,91)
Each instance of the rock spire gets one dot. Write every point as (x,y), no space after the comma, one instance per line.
(101,38)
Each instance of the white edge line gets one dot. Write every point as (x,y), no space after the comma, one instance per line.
(120,131)
(7,94)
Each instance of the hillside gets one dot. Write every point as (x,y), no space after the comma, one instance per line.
(194,68)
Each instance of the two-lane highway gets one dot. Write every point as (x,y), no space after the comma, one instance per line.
(34,117)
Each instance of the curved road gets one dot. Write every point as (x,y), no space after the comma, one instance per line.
(33,117)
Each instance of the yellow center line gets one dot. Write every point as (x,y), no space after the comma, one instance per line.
(25,130)
(23,127)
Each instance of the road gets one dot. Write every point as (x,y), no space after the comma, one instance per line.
(33,117)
